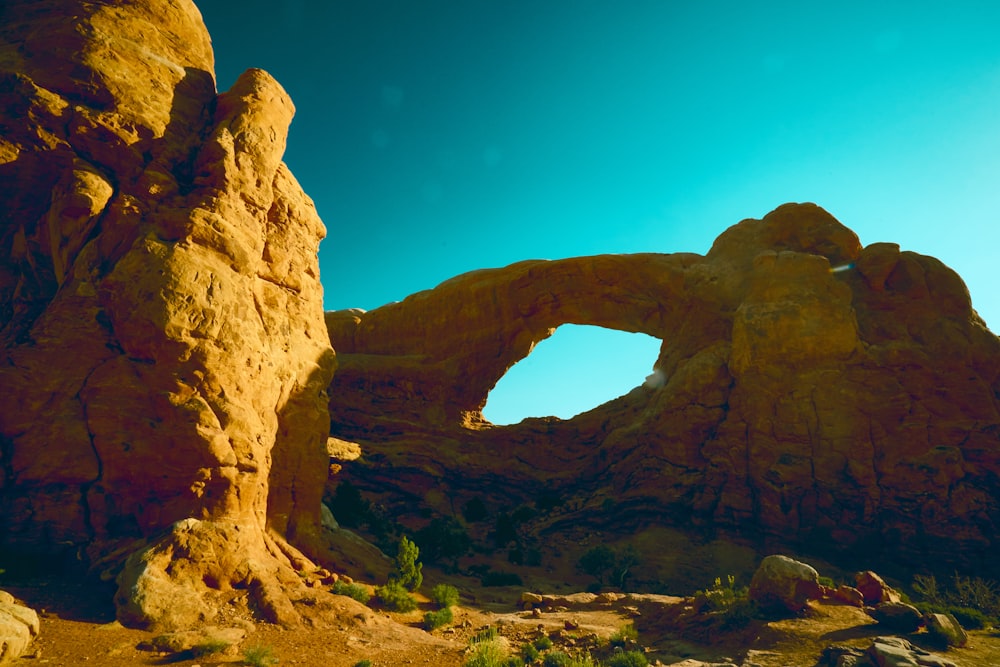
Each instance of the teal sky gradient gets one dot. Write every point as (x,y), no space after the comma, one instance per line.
(441,136)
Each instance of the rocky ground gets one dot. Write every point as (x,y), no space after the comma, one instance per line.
(78,627)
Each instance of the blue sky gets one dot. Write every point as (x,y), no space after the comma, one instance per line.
(441,136)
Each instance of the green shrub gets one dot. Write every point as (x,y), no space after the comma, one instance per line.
(603,561)
(354,591)
(977,593)
(732,606)
(394,597)
(210,647)
(973,601)
(628,659)
(624,635)
(259,656)
(556,659)
(597,562)
(363,663)
(486,634)
(408,572)
(435,619)
(444,595)
(970,619)
(543,643)
(487,652)
(444,539)
(529,653)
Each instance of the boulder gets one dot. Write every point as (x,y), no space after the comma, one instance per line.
(946,628)
(163,352)
(897,616)
(198,641)
(847,595)
(784,585)
(812,392)
(896,652)
(874,589)
(18,628)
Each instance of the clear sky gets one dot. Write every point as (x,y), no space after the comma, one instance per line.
(441,136)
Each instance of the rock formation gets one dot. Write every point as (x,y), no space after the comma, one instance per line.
(164,358)
(811,392)
(18,628)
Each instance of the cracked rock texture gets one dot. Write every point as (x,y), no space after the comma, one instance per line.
(793,404)
(163,355)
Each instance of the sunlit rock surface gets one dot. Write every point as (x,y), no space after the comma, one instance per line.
(810,391)
(163,356)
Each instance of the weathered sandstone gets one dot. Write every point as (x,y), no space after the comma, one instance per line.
(163,355)
(19,627)
(853,409)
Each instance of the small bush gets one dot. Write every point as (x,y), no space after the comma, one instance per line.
(409,572)
(435,619)
(394,597)
(353,591)
(363,663)
(556,659)
(529,653)
(974,602)
(543,643)
(970,619)
(597,562)
(444,595)
(445,539)
(259,656)
(487,653)
(624,635)
(210,647)
(628,659)
(486,634)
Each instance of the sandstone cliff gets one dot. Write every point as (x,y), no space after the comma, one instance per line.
(851,410)
(164,357)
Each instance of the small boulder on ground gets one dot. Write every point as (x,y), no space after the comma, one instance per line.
(782,584)
(846,595)
(946,628)
(18,628)
(874,588)
(209,639)
(897,652)
(897,616)
(884,652)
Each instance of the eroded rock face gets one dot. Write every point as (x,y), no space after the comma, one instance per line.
(164,356)
(813,392)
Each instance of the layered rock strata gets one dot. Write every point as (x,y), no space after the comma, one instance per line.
(163,355)
(809,391)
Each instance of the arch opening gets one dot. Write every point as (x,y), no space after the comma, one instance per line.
(576,369)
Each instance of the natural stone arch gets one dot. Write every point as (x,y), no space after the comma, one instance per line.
(800,404)
(470,330)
